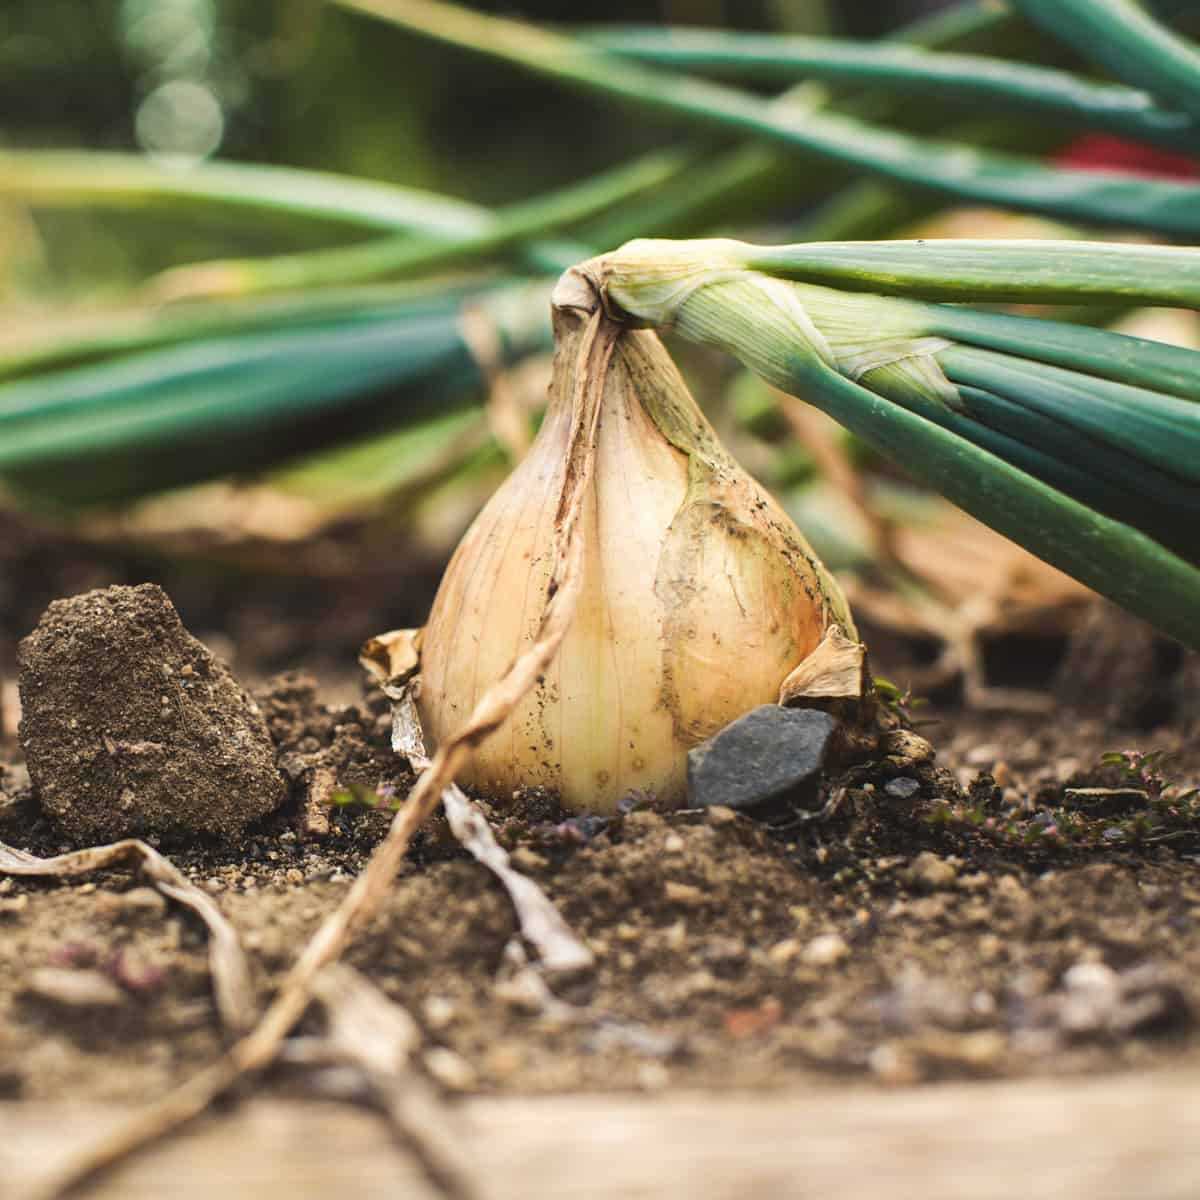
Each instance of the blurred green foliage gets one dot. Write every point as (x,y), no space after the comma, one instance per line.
(301,82)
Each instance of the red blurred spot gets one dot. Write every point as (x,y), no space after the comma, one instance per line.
(1103,152)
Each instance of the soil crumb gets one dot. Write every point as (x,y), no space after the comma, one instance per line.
(130,726)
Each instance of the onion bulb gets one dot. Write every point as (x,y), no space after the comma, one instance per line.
(698,596)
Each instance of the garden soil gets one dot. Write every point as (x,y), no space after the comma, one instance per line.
(971,914)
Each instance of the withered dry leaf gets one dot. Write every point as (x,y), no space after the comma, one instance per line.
(975,583)
(232,987)
(379,1038)
(391,658)
(835,670)
(560,952)
(558,949)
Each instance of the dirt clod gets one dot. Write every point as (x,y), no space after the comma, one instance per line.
(130,726)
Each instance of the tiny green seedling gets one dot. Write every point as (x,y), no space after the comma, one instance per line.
(902,704)
(358,795)
(1166,811)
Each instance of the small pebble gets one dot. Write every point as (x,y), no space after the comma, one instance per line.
(990,947)
(905,748)
(825,950)
(931,872)
(1090,976)
(652,1076)
(643,821)
(524,993)
(784,952)
(903,788)
(767,755)
(892,1064)
(450,1069)
(137,974)
(525,859)
(73,988)
(143,900)
(980,1051)
(1011,889)
(439,1012)
(1064,768)
(504,1060)
(982,756)
(686,895)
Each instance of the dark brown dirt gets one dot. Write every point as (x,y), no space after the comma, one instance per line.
(950,918)
(130,726)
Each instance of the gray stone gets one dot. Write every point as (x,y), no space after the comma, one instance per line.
(904,788)
(771,754)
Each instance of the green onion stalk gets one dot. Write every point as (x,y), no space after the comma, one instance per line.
(1080,444)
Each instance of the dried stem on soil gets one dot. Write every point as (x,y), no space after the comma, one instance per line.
(378,1037)
(542,925)
(232,988)
(258,1049)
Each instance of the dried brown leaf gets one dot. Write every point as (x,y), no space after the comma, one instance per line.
(230,971)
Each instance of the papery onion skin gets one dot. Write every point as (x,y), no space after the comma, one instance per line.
(699,596)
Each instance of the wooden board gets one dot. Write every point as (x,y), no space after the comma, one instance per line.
(1131,1137)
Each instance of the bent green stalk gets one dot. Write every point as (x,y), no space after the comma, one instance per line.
(401,256)
(72,178)
(1122,37)
(1014,270)
(74,339)
(962,171)
(973,79)
(217,405)
(1001,447)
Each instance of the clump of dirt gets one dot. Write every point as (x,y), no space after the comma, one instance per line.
(130,725)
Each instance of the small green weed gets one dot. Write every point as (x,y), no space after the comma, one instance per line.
(358,795)
(1168,812)
(901,704)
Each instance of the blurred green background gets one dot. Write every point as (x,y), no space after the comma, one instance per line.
(303,83)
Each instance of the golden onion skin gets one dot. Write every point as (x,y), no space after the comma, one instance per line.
(698,596)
